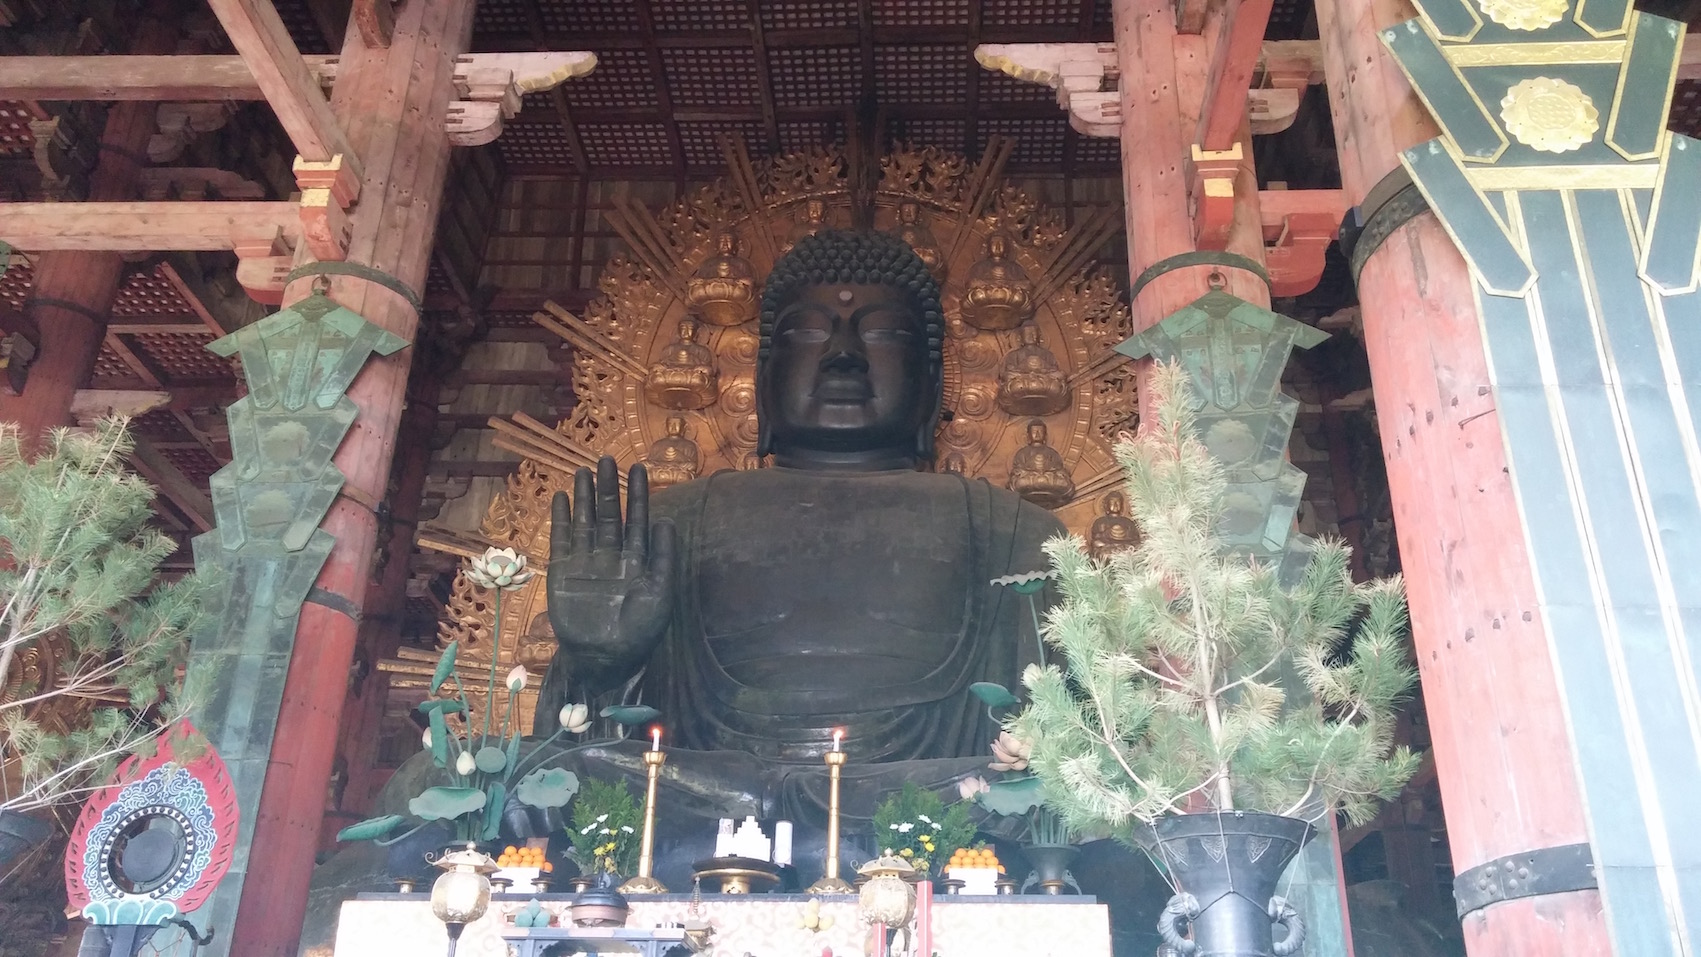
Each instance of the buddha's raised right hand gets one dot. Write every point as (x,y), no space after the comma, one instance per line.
(610,586)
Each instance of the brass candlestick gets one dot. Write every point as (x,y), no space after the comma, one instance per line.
(830,882)
(644,883)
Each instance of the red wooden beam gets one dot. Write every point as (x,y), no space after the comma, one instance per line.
(1239,36)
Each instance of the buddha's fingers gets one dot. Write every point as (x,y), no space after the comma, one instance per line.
(584,512)
(659,578)
(608,503)
(637,515)
(560,538)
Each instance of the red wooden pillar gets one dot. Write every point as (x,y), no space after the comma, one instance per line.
(72,291)
(1505,763)
(392,104)
(380,625)
(1163,83)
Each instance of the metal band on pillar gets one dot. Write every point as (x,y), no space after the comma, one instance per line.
(1201,257)
(358,271)
(1393,202)
(1546,870)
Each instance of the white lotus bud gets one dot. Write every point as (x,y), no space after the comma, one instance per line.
(425,739)
(517,678)
(575,718)
(464,764)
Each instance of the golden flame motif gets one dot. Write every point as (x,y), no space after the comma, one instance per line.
(1549,115)
(1524,14)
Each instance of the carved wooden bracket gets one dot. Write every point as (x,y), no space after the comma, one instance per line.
(1298,226)
(1081,73)
(328,189)
(376,21)
(263,260)
(1213,175)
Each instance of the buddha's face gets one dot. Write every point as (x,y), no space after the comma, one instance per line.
(726,243)
(907,213)
(996,246)
(687,330)
(1113,504)
(675,426)
(847,372)
(1036,432)
(1030,334)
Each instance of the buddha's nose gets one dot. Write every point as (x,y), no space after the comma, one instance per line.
(844,353)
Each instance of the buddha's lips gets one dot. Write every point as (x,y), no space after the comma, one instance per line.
(839,387)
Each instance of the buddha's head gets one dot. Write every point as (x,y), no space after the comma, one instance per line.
(726,244)
(849,368)
(1030,334)
(687,330)
(998,246)
(675,426)
(908,213)
(1036,432)
(1114,504)
(815,211)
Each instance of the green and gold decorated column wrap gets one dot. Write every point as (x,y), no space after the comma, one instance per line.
(1579,216)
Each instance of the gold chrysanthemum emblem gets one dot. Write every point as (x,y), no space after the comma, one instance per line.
(1524,14)
(1549,115)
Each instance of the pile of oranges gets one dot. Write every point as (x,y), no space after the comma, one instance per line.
(524,857)
(975,857)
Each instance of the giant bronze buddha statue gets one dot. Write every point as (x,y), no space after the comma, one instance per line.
(840,588)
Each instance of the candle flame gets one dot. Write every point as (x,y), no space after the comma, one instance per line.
(838,736)
(655,738)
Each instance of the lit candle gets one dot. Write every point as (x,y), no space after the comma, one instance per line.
(838,736)
(655,738)
(782,843)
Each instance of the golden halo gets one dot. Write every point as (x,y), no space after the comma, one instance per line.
(1549,115)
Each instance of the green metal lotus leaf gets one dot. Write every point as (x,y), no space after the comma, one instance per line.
(993,695)
(548,787)
(1018,796)
(493,811)
(445,666)
(441,705)
(443,804)
(491,759)
(371,829)
(630,714)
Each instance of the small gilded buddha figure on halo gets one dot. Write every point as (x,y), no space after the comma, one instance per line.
(723,289)
(1031,382)
(1113,531)
(1037,472)
(913,231)
(673,459)
(685,377)
(999,294)
(810,221)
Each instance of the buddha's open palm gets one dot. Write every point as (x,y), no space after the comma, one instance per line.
(610,582)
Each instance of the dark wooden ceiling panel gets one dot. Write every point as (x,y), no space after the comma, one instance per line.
(703,151)
(922,13)
(1098,151)
(196,463)
(581,16)
(948,133)
(922,73)
(815,15)
(820,76)
(626,144)
(161,425)
(15,284)
(536,140)
(1029,13)
(15,136)
(1686,108)
(799,135)
(695,16)
(723,78)
(111,367)
(622,80)
(150,297)
(182,357)
(1039,142)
